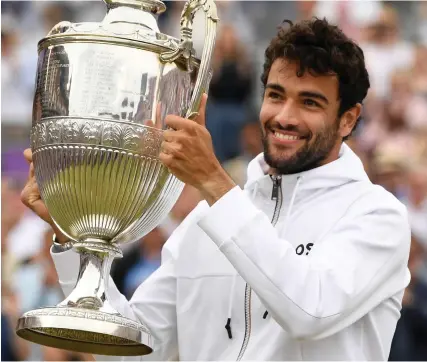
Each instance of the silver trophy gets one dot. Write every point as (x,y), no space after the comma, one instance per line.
(102,93)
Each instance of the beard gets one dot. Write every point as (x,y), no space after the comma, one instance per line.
(312,154)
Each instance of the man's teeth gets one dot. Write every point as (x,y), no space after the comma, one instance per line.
(285,136)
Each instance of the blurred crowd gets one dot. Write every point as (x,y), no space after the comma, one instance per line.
(391,139)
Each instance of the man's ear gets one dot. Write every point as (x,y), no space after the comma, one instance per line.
(349,119)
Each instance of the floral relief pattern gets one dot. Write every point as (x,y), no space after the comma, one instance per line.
(134,138)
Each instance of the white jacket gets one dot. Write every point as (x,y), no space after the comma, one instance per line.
(331,272)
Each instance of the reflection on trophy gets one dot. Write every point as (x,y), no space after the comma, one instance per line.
(102,93)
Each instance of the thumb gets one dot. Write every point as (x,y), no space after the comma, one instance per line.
(28,154)
(201,118)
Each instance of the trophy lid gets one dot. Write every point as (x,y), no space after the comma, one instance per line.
(130,23)
(153,6)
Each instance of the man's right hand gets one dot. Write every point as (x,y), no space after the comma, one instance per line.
(30,196)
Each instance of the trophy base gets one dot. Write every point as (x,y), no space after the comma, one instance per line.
(85,330)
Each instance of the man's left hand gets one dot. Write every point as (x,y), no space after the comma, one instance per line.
(188,152)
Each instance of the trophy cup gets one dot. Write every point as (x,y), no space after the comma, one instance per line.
(96,155)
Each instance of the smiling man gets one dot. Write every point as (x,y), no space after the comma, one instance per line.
(300,119)
(309,261)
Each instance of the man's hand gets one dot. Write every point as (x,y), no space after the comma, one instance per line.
(31,198)
(188,152)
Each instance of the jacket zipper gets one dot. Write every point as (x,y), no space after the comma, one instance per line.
(276,194)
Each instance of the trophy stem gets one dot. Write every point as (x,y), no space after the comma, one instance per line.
(91,290)
(85,321)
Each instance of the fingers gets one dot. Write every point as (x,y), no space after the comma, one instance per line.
(30,190)
(31,173)
(166,159)
(30,197)
(171,135)
(201,118)
(178,123)
(172,148)
(28,154)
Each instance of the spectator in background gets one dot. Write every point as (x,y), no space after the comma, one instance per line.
(416,203)
(25,231)
(350,16)
(385,51)
(411,330)
(13,348)
(12,211)
(15,106)
(422,21)
(419,70)
(229,94)
(389,168)
(251,146)
(416,107)
(28,275)
(306,9)
(388,119)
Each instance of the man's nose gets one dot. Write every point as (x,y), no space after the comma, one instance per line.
(287,114)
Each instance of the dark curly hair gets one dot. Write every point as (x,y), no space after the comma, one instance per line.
(321,49)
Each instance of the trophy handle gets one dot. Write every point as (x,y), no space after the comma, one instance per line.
(185,48)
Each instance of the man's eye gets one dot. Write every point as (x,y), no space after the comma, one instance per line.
(311,103)
(273,95)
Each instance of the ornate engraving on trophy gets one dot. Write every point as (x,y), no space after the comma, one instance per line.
(130,139)
(127,136)
(90,133)
(70,133)
(111,135)
(54,132)
(85,314)
(94,83)
(103,69)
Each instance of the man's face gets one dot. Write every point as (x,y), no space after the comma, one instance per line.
(299,119)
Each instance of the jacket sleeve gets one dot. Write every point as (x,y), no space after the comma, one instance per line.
(153,303)
(359,264)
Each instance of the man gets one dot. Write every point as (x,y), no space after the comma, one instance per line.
(309,261)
